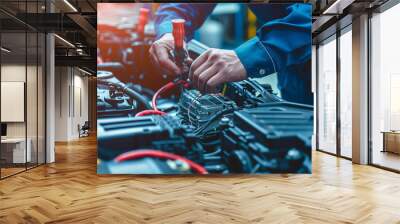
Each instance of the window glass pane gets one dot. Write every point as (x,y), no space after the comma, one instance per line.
(327,96)
(385,84)
(41,98)
(31,97)
(13,86)
(346,94)
(32,86)
(314,80)
(23,86)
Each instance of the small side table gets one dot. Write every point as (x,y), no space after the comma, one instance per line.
(391,141)
(17,151)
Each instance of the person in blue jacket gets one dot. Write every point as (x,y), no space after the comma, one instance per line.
(282,45)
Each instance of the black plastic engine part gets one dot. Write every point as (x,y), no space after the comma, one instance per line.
(119,135)
(114,40)
(113,67)
(106,80)
(270,138)
(113,103)
(197,109)
(248,93)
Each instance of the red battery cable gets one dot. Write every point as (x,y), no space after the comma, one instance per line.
(137,154)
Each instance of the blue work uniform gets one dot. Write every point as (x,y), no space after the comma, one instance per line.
(282,44)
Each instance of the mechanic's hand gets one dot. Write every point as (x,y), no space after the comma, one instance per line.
(215,67)
(159,52)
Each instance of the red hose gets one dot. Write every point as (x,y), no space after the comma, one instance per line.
(163,89)
(149,112)
(137,154)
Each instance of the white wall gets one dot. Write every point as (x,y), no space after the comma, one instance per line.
(80,112)
(16,73)
(71,102)
(33,126)
(12,73)
(62,81)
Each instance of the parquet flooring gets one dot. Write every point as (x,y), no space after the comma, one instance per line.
(69,191)
(10,171)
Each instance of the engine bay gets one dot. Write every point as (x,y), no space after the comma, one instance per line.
(247,130)
(148,124)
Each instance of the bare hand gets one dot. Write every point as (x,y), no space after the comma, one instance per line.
(215,67)
(159,52)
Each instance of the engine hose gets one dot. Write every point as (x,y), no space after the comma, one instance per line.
(130,92)
(137,96)
(137,154)
(141,89)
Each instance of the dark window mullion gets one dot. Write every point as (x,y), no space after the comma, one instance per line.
(369,100)
(0,96)
(338,98)
(37,90)
(26,86)
(317,97)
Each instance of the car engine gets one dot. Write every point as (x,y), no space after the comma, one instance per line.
(245,128)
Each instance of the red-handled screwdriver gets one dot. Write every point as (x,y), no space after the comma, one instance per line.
(181,56)
(178,31)
(143,19)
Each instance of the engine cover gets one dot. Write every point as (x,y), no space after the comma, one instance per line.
(120,135)
(271,138)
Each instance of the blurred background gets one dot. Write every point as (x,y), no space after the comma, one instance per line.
(229,25)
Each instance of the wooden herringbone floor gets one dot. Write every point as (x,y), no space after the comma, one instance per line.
(69,191)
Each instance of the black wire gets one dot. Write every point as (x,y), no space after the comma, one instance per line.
(130,92)
(266,95)
(147,91)
(141,89)
(216,152)
(137,96)
(211,143)
(212,119)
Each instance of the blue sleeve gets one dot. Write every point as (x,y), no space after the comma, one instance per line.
(194,14)
(279,43)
